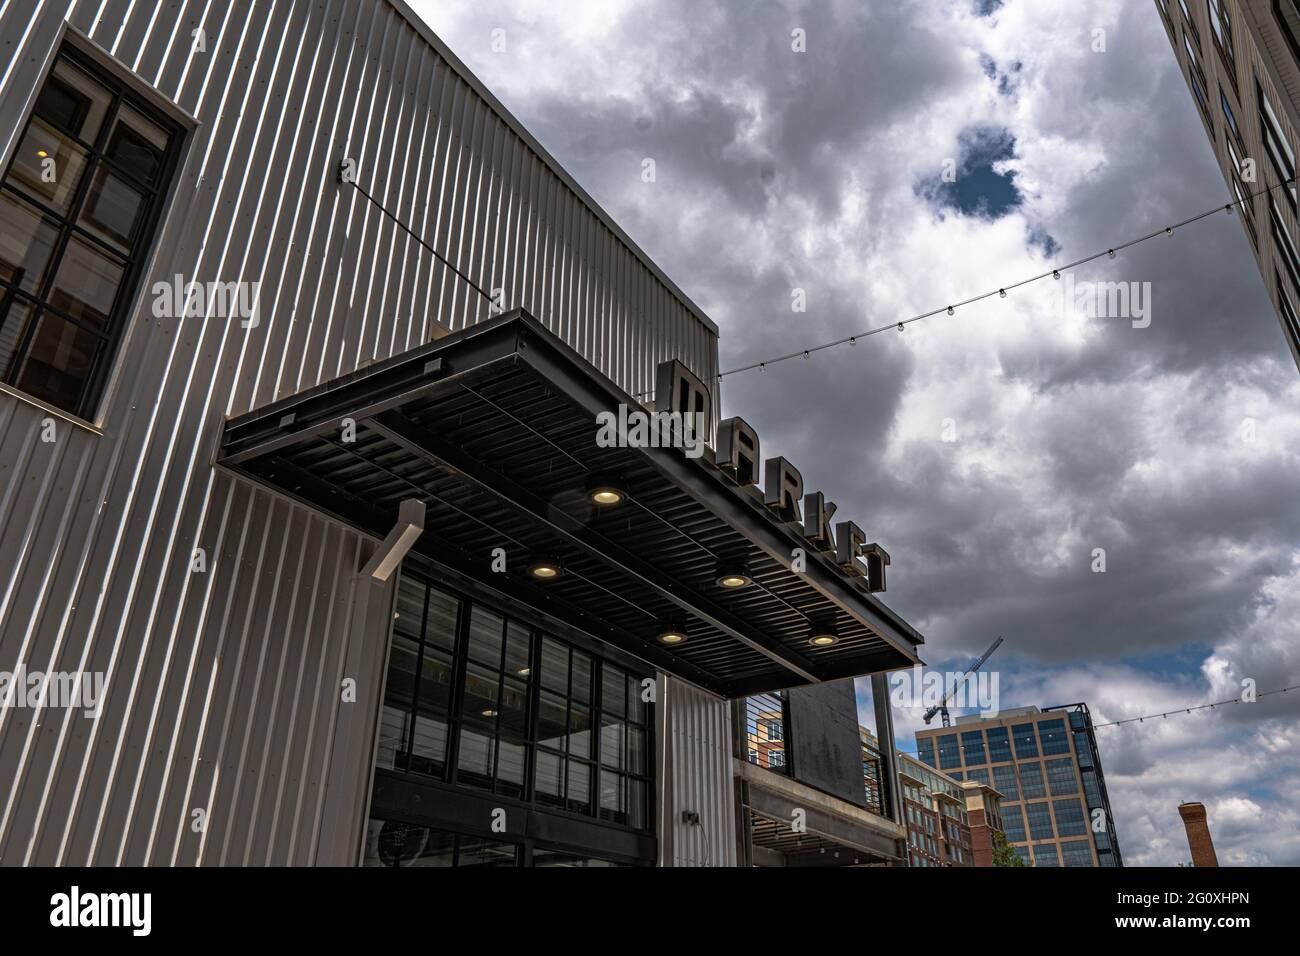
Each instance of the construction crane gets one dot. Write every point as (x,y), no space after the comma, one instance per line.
(942,706)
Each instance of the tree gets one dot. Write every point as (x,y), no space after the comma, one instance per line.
(1003,853)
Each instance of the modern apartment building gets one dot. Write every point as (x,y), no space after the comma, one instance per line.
(984,810)
(1045,764)
(1241,60)
(938,825)
(305,349)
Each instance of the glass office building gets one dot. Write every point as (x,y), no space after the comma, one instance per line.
(1045,764)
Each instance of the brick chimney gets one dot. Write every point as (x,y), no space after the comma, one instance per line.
(1198,834)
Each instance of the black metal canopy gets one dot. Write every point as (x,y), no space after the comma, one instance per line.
(494,429)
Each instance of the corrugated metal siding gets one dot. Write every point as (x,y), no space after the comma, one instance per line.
(695,765)
(224,687)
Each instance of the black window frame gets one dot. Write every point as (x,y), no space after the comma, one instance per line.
(634,672)
(157,199)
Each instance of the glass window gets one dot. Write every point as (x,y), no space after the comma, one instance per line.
(1060,778)
(999,745)
(1039,817)
(1289,315)
(1276,144)
(1052,735)
(925,749)
(949,755)
(1026,742)
(1031,781)
(1013,823)
(1221,29)
(1023,853)
(1004,781)
(1287,15)
(972,743)
(1070,821)
(514,710)
(1045,854)
(78,206)
(1076,853)
(979,775)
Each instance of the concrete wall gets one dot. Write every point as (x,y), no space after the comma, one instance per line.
(223,690)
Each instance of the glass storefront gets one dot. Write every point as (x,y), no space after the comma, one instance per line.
(491,704)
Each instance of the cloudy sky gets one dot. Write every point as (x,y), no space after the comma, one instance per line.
(991,452)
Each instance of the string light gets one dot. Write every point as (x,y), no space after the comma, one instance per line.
(1055,273)
(1177,711)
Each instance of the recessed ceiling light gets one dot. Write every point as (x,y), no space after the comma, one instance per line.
(524,671)
(489,712)
(42,153)
(732,576)
(823,634)
(606,492)
(670,634)
(546,569)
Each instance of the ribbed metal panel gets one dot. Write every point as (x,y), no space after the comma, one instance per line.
(224,687)
(695,765)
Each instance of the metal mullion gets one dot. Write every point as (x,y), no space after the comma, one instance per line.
(62,222)
(419,669)
(533,710)
(460,661)
(501,690)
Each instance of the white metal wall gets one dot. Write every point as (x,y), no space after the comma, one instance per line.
(223,691)
(695,766)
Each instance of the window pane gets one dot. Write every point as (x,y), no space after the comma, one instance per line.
(552,720)
(436,672)
(73,102)
(555,665)
(637,803)
(14,319)
(477,756)
(580,689)
(613,691)
(580,731)
(26,243)
(1026,741)
(579,792)
(550,779)
(485,637)
(429,749)
(48,165)
(1031,781)
(86,284)
(518,651)
(440,629)
(636,706)
(137,146)
(113,209)
(394,725)
(58,364)
(480,701)
(611,796)
(636,750)
(611,741)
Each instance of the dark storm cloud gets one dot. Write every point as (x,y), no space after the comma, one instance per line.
(779,171)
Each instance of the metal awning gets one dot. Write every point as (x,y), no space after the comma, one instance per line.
(493,428)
